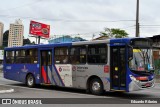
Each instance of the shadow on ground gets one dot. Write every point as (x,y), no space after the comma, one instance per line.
(123,95)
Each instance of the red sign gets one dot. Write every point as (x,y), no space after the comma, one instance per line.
(106,69)
(39,29)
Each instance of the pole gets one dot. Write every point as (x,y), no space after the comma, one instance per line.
(137,20)
(39,38)
(36,40)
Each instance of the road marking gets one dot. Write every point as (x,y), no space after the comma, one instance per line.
(7,91)
(150,92)
(52,90)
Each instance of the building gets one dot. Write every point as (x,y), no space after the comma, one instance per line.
(16,34)
(65,39)
(1,58)
(1,33)
(156,53)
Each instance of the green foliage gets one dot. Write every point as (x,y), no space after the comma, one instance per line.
(119,33)
(5,38)
(104,34)
(114,33)
(26,41)
(1,47)
(33,43)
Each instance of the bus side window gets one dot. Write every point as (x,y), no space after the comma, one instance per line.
(32,56)
(78,55)
(97,54)
(61,55)
(20,56)
(9,57)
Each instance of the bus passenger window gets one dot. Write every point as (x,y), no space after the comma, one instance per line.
(43,58)
(9,57)
(78,55)
(97,54)
(32,56)
(61,55)
(20,56)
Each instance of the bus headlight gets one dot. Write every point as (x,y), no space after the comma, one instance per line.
(133,78)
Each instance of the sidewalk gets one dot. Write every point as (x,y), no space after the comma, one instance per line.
(5,89)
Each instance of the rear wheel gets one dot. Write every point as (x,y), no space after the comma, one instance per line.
(96,86)
(30,80)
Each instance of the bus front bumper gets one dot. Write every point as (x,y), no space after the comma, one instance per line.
(139,85)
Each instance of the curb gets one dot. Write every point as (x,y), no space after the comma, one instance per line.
(7,91)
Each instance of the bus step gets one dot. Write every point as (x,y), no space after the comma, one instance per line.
(118,90)
(46,84)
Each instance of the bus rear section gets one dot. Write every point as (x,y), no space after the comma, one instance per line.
(20,64)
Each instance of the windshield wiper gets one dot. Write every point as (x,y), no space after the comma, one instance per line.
(136,62)
(142,55)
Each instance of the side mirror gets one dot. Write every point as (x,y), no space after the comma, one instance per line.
(130,53)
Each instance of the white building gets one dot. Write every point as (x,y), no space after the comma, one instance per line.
(16,34)
(1,33)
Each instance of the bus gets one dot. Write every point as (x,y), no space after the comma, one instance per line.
(124,64)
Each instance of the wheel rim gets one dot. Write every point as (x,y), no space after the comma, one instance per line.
(96,86)
(30,80)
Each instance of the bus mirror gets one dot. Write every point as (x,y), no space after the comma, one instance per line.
(130,53)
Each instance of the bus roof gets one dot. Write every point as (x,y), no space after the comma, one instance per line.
(58,44)
(120,40)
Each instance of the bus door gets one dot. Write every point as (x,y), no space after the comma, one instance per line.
(46,66)
(118,68)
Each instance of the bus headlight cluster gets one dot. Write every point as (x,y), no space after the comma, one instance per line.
(133,78)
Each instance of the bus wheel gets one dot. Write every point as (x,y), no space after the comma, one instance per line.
(30,81)
(96,86)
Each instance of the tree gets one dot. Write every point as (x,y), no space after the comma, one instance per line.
(26,41)
(114,33)
(118,33)
(5,38)
(33,43)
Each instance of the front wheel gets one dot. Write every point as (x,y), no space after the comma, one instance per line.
(96,86)
(30,80)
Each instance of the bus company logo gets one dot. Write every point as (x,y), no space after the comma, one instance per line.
(24,69)
(74,68)
(60,69)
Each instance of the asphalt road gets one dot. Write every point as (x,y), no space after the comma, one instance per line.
(22,91)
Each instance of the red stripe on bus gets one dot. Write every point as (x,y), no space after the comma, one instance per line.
(44,75)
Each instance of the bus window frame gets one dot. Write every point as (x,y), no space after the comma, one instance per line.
(5,54)
(60,61)
(78,55)
(106,54)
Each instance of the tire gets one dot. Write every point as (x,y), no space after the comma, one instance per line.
(96,86)
(30,81)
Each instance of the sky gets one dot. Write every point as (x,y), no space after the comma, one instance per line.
(83,17)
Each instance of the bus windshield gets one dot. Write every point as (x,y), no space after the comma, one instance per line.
(142,60)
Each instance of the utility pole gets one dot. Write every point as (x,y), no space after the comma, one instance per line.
(137,20)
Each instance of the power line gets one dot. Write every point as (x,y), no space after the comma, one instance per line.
(21,6)
(149,25)
(64,20)
(88,33)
